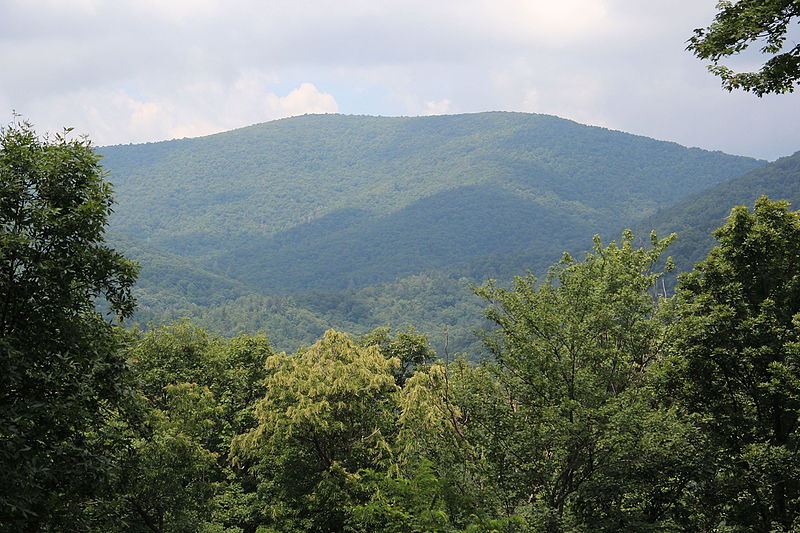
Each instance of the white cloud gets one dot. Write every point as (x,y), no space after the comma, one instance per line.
(305,99)
(113,116)
(440,107)
(136,70)
(551,22)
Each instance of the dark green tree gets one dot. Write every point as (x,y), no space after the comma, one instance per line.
(740,23)
(196,391)
(736,368)
(61,372)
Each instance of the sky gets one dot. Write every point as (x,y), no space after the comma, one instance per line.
(132,71)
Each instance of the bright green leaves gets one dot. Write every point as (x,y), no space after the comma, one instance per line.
(329,411)
(587,332)
(407,346)
(607,406)
(336,394)
(573,354)
(740,23)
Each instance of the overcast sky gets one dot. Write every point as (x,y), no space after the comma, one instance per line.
(146,70)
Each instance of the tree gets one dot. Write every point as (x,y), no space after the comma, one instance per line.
(196,391)
(574,354)
(329,411)
(737,25)
(61,373)
(407,346)
(736,368)
(562,430)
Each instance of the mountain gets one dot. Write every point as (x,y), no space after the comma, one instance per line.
(330,202)
(695,217)
(302,224)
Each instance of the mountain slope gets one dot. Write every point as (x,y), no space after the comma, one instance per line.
(330,201)
(695,217)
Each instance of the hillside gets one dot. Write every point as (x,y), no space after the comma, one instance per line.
(331,202)
(695,217)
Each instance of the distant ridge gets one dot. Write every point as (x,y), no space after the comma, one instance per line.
(334,201)
(695,217)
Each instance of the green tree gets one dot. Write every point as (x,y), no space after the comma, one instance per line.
(457,421)
(328,412)
(736,368)
(61,372)
(737,25)
(169,473)
(562,432)
(574,354)
(407,346)
(196,392)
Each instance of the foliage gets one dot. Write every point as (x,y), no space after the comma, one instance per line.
(301,225)
(573,355)
(197,391)
(61,375)
(603,404)
(438,303)
(407,346)
(695,218)
(563,429)
(736,367)
(737,25)
(327,413)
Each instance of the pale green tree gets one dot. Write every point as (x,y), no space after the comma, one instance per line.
(328,413)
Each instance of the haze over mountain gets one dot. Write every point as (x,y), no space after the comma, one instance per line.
(341,203)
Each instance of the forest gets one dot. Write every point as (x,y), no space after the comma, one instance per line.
(604,404)
(647,383)
(358,222)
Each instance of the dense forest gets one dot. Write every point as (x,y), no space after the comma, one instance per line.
(437,301)
(603,404)
(647,383)
(401,215)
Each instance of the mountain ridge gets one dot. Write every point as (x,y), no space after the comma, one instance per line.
(209,197)
(298,225)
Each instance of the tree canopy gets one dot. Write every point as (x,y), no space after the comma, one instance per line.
(61,371)
(740,23)
(737,366)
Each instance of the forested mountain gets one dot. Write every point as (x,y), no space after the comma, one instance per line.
(695,217)
(330,202)
(320,221)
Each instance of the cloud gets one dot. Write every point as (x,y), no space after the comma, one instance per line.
(552,23)
(441,107)
(115,116)
(135,70)
(305,99)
